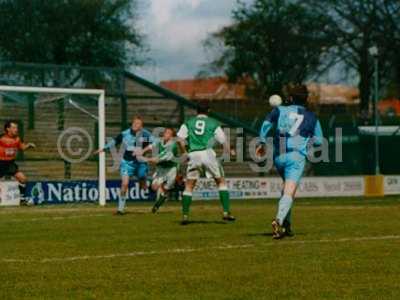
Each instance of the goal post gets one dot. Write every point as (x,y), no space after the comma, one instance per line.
(96,93)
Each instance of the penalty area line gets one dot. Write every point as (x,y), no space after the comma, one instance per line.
(196,250)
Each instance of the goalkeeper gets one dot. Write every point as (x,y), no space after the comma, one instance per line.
(166,162)
(10,144)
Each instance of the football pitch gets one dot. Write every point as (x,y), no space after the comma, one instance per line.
(343,249)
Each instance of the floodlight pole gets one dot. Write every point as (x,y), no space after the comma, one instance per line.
(374,53)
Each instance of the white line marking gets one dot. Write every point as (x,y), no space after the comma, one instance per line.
(343,240)
(195,250)
(53,218)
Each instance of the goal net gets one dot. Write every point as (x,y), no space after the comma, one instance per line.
(67,126)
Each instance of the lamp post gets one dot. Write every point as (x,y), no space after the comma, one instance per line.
(374,52)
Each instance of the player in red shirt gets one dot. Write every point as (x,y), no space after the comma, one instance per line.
(10,144)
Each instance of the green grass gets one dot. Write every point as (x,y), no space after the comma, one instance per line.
(343,249)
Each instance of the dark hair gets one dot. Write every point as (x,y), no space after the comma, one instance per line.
(203,107)
(137,118)
(8,124)
(172,130)
(298,94)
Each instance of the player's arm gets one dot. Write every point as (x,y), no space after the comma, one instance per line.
(318,137)
(267,125)
(150,146)
(182,136)
(27,146)
(221,138)
(154,159)
(114,142)
(165,156)
(147,149)
(142,152)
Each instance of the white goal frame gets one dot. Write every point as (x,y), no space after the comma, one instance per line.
(101,110)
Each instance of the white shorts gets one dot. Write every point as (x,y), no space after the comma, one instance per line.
(204,163)
(166,176)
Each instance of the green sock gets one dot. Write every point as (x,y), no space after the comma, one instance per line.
(186,201)
(224,198)
(160,200)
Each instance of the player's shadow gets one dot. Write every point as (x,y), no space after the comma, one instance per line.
(259,234)
(269,234)
(137,212)
(147,212)
(205,222)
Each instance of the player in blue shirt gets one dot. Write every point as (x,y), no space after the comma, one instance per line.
(295,129)
(136,141)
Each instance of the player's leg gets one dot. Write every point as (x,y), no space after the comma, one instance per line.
(123,196)
(156,185)
(192,175)
(179,187)
(281,172)
(214,169)
(224,199)
(280,225)
(142,170)
(127,170)
(287,223)
(168,177)
(286,201)
(187,199)
(160,198)
(293,173)
(292,166)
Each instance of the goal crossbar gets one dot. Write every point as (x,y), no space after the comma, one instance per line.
(31,89)
(101,121)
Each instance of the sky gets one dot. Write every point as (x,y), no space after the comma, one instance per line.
(175,30)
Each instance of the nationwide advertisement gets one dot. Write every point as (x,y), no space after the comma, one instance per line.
(54,192)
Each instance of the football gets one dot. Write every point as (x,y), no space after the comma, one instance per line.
(275,100)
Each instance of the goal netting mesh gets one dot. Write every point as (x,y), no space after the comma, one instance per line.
(65,129)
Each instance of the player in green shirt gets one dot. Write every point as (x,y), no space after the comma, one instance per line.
(200,132)
(166,162)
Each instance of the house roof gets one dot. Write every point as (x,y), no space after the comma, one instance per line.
(321,93)
(215,88)
(218,88)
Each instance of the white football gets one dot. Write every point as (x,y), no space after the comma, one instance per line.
(275,100)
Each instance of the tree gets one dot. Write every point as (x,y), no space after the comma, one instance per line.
(71,32)
(272,42)
(391,28)
(357,25)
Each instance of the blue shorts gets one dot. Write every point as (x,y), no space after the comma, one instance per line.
(134,168)
(290,165)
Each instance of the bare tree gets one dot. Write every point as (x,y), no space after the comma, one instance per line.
(358,25)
